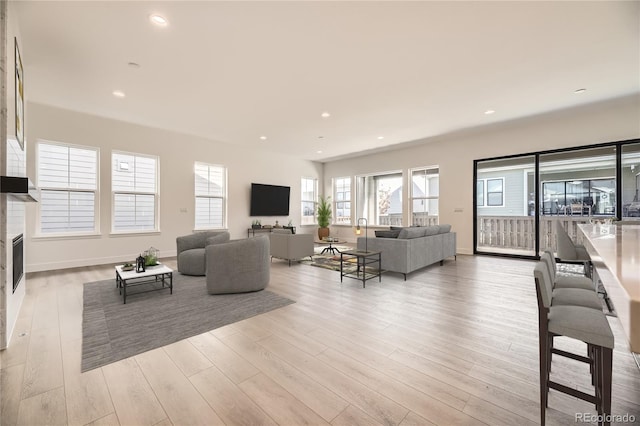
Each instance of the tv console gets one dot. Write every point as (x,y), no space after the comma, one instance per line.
(251,232)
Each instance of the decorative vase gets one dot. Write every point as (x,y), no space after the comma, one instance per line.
(323,233)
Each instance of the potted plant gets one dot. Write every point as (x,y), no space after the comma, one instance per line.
(324,217)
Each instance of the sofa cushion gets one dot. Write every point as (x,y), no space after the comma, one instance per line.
(218,239)
(387,234)
(444,229)
(409,233)
(431,230)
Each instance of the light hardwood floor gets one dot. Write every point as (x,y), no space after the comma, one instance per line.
(454,344)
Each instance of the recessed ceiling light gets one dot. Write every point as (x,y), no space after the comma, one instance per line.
(380,137)
(320,137)
(264,138)
(580,90)
(489,111)
(325,115)
(118,94)
(319,152)
(159,20)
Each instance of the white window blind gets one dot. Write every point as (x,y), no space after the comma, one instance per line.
(135,192)
(68,181)
(210,193)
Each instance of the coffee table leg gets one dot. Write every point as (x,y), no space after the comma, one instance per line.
(124,290)
(171,282)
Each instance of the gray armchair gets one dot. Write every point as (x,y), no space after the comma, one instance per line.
(288,246)
(238,266)
(191,253)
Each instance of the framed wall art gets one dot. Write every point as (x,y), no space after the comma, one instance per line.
(19,96)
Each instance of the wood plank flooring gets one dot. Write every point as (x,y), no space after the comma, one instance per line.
(452,345)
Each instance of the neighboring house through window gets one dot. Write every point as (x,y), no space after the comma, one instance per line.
(210,193)
(309,200)
(68,182)
(342,201)
(490,192)
(134,185)
(379,198)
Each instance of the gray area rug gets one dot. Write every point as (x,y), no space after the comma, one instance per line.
(112,331)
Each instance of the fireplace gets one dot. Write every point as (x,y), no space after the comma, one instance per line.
(18,261)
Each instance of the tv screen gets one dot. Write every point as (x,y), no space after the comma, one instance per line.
(269,200)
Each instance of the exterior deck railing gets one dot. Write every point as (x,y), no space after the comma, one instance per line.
(418,219)
(518,232)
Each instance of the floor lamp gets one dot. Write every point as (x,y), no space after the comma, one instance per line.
(366,234)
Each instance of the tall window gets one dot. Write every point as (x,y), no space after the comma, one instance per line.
(425,184)
(309,200)
(210,192)
(134,186)
(379,198)
(68,180)
(342,201)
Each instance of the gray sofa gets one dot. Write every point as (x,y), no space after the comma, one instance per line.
(413,248)
(191,252)
(238,266)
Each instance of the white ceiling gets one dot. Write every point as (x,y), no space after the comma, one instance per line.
(235,71)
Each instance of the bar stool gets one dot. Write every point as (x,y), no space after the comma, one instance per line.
(566,281)
(570,252)
(577,322)
(582,294)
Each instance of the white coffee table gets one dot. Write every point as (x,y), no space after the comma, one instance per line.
(160,274)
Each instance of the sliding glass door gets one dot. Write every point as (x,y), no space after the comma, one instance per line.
(505,191)
(631,182)
(518,199)
(575,187)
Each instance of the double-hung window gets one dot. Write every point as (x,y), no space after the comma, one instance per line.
(309,200)
(211,194)
(425,184)
(134,185)
(342,200)
(68,181)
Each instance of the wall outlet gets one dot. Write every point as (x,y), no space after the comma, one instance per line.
(458,210)
(183,209)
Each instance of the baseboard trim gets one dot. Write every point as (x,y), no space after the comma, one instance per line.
(78,263)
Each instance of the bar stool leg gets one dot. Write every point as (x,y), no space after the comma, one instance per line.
(606,362)
(544,372)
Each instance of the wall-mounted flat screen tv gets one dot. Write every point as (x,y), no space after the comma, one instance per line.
(269,200)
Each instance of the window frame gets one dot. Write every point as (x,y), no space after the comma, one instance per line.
(304,200)
(96,192)
(336,201)
(412,198)
(362,211)
(156,194)
(222,197)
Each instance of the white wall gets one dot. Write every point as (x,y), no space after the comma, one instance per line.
(454,153)
(177,153)
(12,164)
